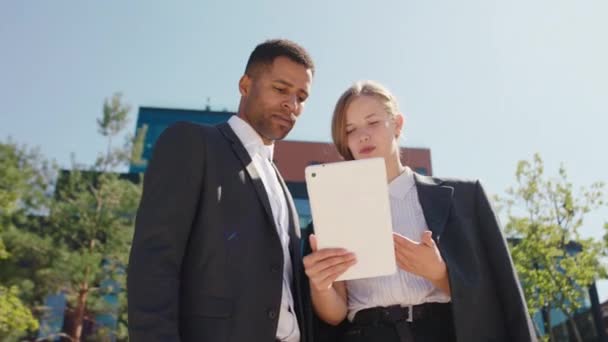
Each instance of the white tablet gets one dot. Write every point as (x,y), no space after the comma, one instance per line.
(350,208)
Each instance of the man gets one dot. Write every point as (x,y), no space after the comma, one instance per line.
(216,250)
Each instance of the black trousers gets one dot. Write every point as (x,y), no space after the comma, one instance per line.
(436,326)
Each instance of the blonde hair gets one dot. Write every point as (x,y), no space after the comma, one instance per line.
(360,88)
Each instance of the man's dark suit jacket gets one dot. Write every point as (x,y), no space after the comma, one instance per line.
(206,263)
(487,300)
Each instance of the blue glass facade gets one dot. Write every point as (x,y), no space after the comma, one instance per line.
(155,120)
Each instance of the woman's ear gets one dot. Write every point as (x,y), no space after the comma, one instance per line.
(399,124)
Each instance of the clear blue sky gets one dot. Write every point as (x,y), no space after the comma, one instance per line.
(483,83)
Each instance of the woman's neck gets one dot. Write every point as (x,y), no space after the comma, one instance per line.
(393,168)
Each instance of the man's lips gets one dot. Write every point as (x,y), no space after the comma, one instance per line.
(283,119)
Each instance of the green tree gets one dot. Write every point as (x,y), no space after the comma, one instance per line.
(15,317)
(93,220)
(79,245)
(24,180)
(555,263)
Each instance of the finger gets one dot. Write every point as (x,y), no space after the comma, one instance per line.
(330,275)
(314,258)
(313,242)
(319,266)
(406,252)
(405,266)
(328,263)
(403,241)
(427,238)
(403,258)
(324,280)
(326,253)
(322,254)
(410,264)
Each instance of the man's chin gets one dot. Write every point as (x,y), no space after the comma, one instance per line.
(279,133)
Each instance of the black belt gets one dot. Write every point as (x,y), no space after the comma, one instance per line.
(397,313)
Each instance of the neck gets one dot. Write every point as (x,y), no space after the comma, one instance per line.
(393,168)
(243,117)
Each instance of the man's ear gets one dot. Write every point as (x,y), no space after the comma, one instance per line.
(245,85)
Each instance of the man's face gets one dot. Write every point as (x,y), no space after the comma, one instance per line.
(274,96)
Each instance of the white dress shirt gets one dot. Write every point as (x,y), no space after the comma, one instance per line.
(401,288)
(261,157)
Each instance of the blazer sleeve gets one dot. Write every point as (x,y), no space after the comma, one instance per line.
(515,311)
(172,185)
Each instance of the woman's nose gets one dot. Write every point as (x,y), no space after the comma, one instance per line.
(364,137)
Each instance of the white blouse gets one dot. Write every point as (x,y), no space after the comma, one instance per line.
(401,288)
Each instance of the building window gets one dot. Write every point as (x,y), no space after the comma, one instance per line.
(421,170)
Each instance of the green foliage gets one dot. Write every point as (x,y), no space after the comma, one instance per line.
(555,264)
(15,317)
(78,237)
(24,181)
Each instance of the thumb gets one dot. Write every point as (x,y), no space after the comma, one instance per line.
(313,242)
(427,238)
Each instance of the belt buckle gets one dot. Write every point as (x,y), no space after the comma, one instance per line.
(410,313)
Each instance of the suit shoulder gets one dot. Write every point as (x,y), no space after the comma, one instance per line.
(459,183)
(183,131)
(182,127)
(469,185)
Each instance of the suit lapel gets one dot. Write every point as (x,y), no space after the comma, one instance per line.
(436,201)
(295,251)
(243,155)
(294,225)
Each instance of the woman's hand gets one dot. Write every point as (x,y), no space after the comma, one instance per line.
(323,266)
(422,259)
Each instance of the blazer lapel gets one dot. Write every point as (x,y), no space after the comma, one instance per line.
(243,155)
(436,201)
(295,251)
(294,223)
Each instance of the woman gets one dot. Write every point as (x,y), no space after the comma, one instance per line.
(455,282)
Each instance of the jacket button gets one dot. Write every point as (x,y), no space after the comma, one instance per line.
(274,268)
(272,314)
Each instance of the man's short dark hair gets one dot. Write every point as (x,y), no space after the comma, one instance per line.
(264,54)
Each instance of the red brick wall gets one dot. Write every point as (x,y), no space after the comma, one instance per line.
(292,157)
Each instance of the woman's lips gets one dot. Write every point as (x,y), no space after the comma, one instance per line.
(367,150)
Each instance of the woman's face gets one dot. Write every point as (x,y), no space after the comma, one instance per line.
(370,130)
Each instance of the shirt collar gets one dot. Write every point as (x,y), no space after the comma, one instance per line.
(250,138)
(400,186)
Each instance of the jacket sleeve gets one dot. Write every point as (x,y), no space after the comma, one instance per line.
(515,311)
(172,186)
